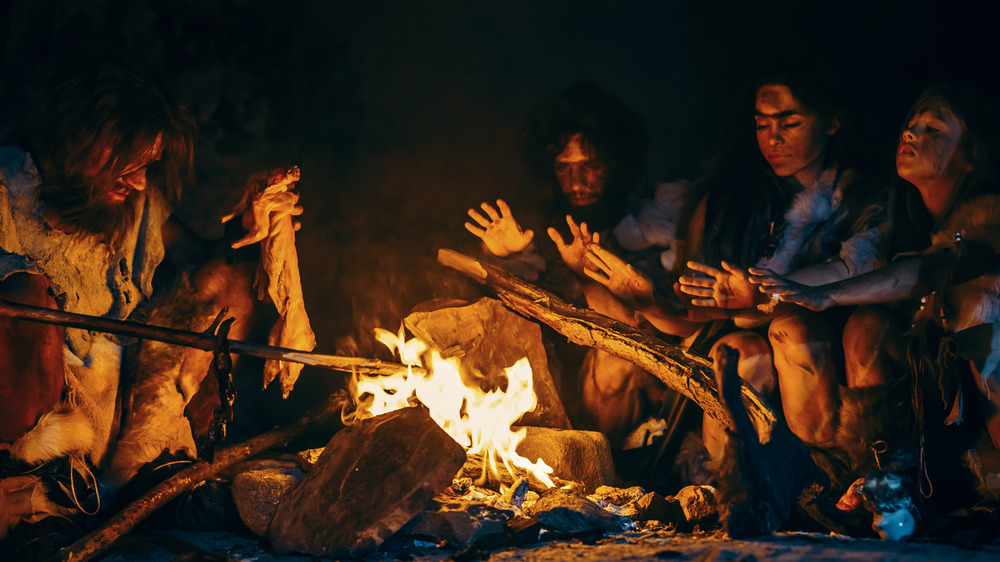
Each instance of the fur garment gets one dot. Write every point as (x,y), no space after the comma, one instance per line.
(159,391)
(974,302)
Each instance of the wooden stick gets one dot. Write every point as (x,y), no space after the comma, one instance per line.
(124,521)
(687,373)
(204,342)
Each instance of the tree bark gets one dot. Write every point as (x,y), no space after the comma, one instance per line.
(687,373)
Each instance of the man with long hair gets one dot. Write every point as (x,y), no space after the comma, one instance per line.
(85,223)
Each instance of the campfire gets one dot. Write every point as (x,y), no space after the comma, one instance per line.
(478,420)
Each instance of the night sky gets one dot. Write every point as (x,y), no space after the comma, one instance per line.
(403,114)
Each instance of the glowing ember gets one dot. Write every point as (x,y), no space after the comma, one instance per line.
(479,421)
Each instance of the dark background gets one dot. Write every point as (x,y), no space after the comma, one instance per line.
(403,114)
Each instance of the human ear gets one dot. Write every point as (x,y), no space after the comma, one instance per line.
(833,127)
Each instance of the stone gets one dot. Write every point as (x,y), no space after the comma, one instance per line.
(461,523)
(618,496)
(256,494)
(493,338)
(698,504)
(570,512)
(522,531)
(372,478)
(577,456)
(307,459)
(654,507)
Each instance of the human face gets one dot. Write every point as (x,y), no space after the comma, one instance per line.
(581,174)
(792,139)
(930,152)
(133,178)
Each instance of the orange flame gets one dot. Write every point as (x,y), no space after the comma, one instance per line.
(478,421)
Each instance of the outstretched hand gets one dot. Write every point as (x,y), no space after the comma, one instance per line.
(574,254)
(729,287)
(268,198)
(500,232)
(782,289)
(625,282)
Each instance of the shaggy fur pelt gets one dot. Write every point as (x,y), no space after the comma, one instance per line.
(155,397)
(877,430)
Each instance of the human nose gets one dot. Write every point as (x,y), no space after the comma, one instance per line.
(578,178)
(909,134)
(772,134)
(136,180)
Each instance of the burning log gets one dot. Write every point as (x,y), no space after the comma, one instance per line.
(678,368)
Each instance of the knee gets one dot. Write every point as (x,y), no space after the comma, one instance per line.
(797,327)
(756,364)
(865,329)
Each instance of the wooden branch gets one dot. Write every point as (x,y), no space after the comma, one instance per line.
(204,342)
(124,521)
(681,370)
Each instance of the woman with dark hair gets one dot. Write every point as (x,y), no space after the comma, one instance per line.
(947,234)
(796,207)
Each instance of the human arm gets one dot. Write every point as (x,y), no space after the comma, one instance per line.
(904,279)
(636,291)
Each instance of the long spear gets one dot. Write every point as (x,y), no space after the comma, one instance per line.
(204,341)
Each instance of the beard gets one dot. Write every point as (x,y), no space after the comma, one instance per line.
(93,212)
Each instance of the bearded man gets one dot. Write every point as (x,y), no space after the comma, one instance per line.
(85,223)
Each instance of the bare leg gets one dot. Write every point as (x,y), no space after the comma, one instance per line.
(806,375)
(756,367)
(874,351)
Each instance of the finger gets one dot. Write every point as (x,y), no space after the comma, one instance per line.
(504,208)
(597,263)
(734,269)
(557,238)
(761,271)
(490,211)
(597,238)
(573,228)
(529,235)
(584,232)
(480,219)
(475,230)
(703,268)
(230,217)
(696,291)
(597,276)
(688,280)
(606,256)
(703,302)
(296,225)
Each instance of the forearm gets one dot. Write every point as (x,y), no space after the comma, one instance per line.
(820,274)
(601,300)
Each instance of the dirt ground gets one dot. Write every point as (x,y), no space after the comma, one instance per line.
(176,545)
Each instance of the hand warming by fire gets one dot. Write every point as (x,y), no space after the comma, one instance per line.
(786,330)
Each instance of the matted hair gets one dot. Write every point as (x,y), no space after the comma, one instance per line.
(105,114)
(611,130)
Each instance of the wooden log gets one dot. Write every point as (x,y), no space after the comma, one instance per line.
(124,521)
(687,373)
